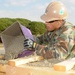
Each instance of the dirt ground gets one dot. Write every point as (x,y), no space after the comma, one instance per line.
(45,63)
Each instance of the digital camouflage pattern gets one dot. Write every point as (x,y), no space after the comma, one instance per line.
(57,44)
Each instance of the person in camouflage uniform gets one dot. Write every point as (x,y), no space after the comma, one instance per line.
(58,40)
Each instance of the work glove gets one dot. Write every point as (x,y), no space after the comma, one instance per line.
(29,44)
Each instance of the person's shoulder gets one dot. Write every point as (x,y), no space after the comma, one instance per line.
(68,25)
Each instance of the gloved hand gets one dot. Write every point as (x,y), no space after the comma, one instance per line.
(29,44)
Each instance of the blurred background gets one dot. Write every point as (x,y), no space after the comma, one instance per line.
(32,9)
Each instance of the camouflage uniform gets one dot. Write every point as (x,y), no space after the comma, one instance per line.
(57,44)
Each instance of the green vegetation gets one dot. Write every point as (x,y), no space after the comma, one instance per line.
(35,27)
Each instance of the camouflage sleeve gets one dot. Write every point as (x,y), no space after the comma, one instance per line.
(62,49)
(42,39)
(45,51)
(66,43)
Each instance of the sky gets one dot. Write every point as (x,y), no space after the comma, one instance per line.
(32,9)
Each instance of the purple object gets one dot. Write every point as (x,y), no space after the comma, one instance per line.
(27,33)
(26,53)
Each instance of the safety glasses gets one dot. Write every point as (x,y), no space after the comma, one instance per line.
(52,21)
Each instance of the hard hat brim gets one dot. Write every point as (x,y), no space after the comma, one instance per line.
(46,18)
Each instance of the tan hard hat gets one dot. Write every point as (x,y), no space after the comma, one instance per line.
(55,11)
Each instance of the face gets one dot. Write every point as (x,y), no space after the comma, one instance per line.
(52,25)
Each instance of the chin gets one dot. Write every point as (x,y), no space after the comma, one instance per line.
(50,30)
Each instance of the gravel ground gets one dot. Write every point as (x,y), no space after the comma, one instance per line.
(45,63)
(3,61)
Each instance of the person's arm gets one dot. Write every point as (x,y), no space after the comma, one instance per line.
(62,49)
(42,39)
(31,44)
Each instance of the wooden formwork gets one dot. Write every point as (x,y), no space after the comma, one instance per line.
(25,69)
(2,69)
(30,70)
(2,74)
